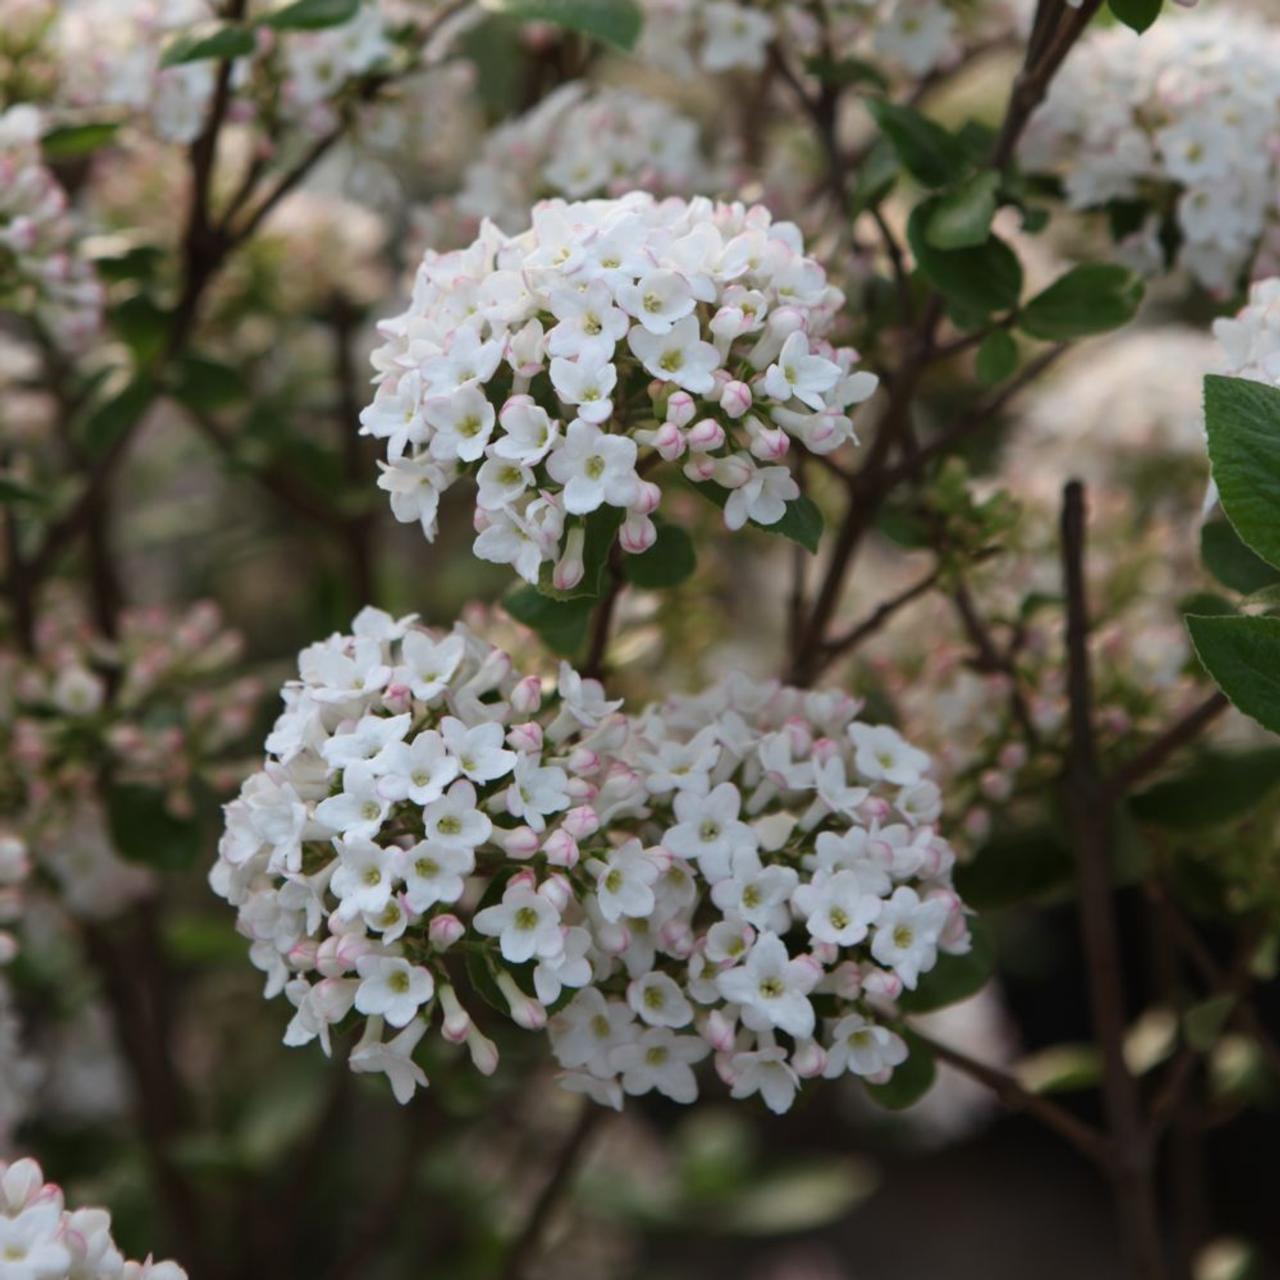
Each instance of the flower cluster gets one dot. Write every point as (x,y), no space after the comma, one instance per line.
(41,1239)
(42,272)
(153,708)
(409,773)
(752,872)
(1250,341)
(545,363)
(785,887)
(685,36)
(1188,112)
(581,141)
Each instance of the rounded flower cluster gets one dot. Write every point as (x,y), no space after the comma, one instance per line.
(1250,341)
(752,873)
(785,887)
(559,364)
(153,708)
(1189,112)
(41,1239)
(582,141)
(408,773)
(42,273)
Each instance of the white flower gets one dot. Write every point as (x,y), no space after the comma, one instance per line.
(359,810)
(773,987)
(594,468)
(478,750)
(679,355)
(529,432)
(907,933)
(571,968)
(392,988)
(837,908)
(755,893)
(624,881)
(455,820)
(766,1072)
(657,299)
(525,924)
(882,752)
(369,739)
(659,1059)
(590,325)
(415,485)
(461,425)
(763,498)
(394,1058)
(536,791)
(708,831)
(433,872)
(417,771)
(800,374)
(656,999)
(364,878)
(588,1030)
(863,1047)
(586,382)
(78,692)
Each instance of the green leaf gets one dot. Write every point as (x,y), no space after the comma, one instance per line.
(142,325)
(1243,422)
(116,416)
(875,177)
(1217,788)
(1203,1022)
(312,15)
(1243,656)
(1014,866)
(601,529)
(70,141)
(129,262)
(1094,297)
(980,279)
(143,829)
(954,978)
(911,1080)
(843,72)
(931,155)
(997,357)
(669,562)
(615,22)
(962,216)
(1138,14)
(560,624)
(211,40)
(207,384)
(14,491)
(1231,562)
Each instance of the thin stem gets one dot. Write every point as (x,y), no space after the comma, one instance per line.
(525,1245)
(602,620)
(1090,821)
(878,618)
(1171,741)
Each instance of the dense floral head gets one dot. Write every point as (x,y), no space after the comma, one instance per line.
(753,871)
(40,1238)
(558,365)
(42,272)
(1189,107)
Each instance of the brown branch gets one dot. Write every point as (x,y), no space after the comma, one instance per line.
(1171,741)
(878,617)
(602,620)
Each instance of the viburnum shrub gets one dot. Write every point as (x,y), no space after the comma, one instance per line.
(557,366)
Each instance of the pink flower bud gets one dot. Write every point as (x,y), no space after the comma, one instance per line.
(570,569)
(526,737)
(1013,756)
(560,849)
(350,949)
(484,1053)
(705,435)
(444,931)
(637,535)
(647,499)
(995,785)
(845,980)
(327,961)
(397,698)
(582,760)
(976,824)
(719,1030)
(879,982)
(302,956)
(826,953)
(456,1023)
(734,471)
(824,749)
(557,890)
(735,398)
(677,939)
(523,879)
(700,469)
(669,441)
(526,697)
(526,1012)
(519,842)
(809,1060)
(613,939)
(876,808)
(581,822)
(680,409)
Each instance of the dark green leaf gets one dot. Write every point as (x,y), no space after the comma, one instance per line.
(1138,14)
(1013,867)
(561,624)
(954,978)
(875,177)
(135,262)
(69,141)
(843,72)
(1243,656)
(668,563)
(112,419)
(997,357)
(1092,298)
(615,22)
(1218,787)
(14,491)
(142,325)
(1203,1022)
(931,155)
(144,830)
(1243,422)
(981,279)
(1231,562)
(214,40)
(312,15)
(1207,604)
(911,1080)
(206,384)
(904,526)
(961,217)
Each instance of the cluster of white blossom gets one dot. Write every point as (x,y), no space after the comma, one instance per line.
(411,770)
(41,1239)
(1188,111)
(546,362)
(752,871)
(582,141)
(1250,341)
(786,885)
(42,272)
